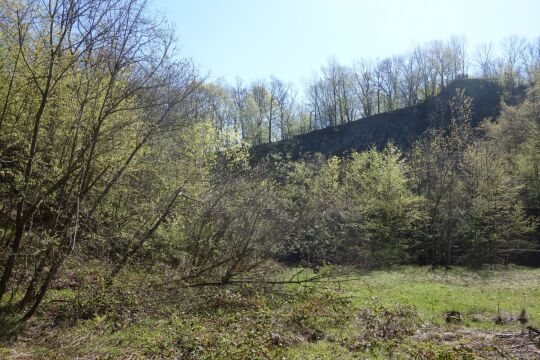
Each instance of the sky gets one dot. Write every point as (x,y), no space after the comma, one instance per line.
(292,39)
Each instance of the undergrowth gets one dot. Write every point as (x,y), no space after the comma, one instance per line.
(380,314)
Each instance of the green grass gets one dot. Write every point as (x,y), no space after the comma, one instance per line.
(309,321)
(477,295)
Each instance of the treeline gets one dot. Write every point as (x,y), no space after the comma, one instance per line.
(110,154)
(266,111)
(455,199)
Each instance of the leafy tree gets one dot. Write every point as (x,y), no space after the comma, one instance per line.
(358,210)
(436,164)
(99,85)
(388,211)
(492,222)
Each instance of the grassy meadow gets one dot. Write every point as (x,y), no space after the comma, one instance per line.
(395,313)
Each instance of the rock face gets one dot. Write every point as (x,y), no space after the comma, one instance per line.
(402,127)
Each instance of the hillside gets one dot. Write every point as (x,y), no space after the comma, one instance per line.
(402,126)
(136,224)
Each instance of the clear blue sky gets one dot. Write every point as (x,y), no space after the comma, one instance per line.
(291,39)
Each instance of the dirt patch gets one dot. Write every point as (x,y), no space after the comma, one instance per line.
(486,344)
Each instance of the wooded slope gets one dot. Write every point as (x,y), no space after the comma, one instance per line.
(402,126)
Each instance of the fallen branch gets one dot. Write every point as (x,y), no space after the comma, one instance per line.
(533,332)
(315,279)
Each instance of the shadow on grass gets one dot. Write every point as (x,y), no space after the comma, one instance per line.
(10,325)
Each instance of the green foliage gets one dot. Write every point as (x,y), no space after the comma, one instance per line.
(117,160)
(376,184)
(475,213)
(10,325)
(357,210)
(493,220)
(516,138)
(112,151)
(80,112)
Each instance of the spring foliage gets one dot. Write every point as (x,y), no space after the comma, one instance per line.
(108,153)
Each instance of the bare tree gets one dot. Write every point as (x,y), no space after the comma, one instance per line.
(458,51)
(284,97)
(378,75)
(331,86)
(532,60)
(439,57)
(389,72)
(410,81)
(426,72)
(364,86)
(267,109)
(486,62)
(239,95)
(514,49)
